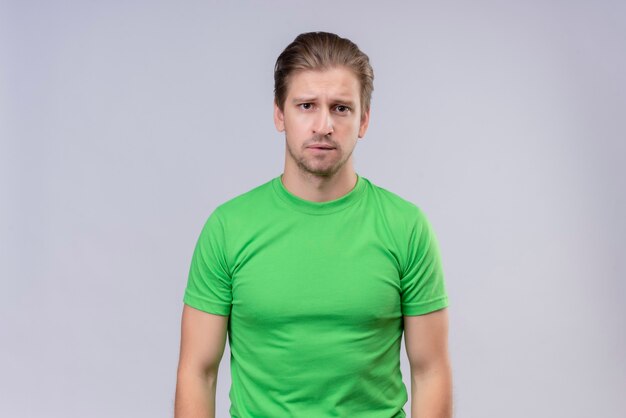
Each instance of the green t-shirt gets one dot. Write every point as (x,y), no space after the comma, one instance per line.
(316,292)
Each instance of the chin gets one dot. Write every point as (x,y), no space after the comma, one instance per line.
(324,171)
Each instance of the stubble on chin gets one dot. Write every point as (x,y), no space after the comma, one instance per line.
(308,166)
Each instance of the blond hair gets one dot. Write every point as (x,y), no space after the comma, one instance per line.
(322,51)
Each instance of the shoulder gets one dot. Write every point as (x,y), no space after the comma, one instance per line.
(246,204)
(393,205)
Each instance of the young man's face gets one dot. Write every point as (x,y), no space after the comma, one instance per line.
(322,109)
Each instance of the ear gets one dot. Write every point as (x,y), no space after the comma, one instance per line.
(365,121)
(279,118)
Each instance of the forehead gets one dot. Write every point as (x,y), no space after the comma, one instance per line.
(336,81)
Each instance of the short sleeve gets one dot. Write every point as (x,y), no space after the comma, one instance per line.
(422,282)
(209,283)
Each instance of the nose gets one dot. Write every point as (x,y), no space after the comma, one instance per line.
(323,124)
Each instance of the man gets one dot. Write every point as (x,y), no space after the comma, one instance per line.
(315,274)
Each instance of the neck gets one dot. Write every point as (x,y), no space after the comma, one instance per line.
(319,188)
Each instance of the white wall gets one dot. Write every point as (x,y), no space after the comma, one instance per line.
(123,124)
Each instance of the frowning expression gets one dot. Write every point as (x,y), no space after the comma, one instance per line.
(322,120)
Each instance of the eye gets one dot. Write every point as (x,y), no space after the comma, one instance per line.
(342,109)
(306,106)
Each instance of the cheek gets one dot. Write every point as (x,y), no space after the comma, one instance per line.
(350,127)
(297,122)
(297,131)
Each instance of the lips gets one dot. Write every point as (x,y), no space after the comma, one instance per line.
(321,146)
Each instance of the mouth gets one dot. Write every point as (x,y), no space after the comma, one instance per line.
(322,147)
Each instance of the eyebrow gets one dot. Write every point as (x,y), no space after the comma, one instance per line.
(305,99)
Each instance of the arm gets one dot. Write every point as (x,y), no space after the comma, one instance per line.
(426,343)
(203,338)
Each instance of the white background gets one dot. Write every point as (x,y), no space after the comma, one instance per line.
(124,123)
